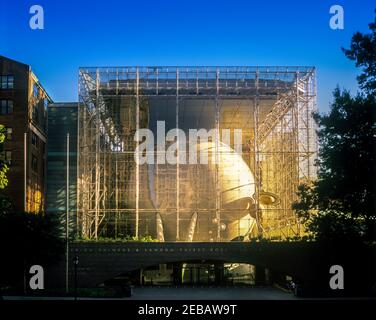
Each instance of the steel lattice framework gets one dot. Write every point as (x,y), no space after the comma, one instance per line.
(117,197)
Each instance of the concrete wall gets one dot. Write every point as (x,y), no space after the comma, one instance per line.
(102,261)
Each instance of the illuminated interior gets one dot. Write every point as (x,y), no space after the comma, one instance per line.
(237,198)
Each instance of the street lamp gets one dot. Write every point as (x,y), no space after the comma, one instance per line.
(75,262)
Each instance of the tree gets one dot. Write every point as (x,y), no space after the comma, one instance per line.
(347,158)
(341,202)
(25,239)
(4,200)
(3,165)
(363,51)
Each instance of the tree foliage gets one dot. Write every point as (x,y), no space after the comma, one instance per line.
(3,166)
(27,239)
(342,202)
(363,52)
(347,158)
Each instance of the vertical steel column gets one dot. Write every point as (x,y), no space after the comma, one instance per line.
(97,157)
(117,215)
(297,151)
(83,183)
(67,222)
(257,154)
(284,165)
(217,159)
(137,165)
(78,158)
(177,156)
(313,129)
(307,128)
(116,192)
(310,86)
(103,169)
(25,171)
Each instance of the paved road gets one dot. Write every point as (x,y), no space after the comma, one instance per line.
(191,293)
(200,293)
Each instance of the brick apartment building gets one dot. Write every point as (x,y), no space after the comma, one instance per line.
(23,111)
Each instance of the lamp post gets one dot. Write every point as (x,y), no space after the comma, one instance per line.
(75,262)
(67,223)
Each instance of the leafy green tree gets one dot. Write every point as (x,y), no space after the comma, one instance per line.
(363,52)
(25,239)
(347,158)
(4,200)
(341,202)
(3,165)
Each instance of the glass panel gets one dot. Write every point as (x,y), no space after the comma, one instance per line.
(197,203)
(9,133)
(245,190)
(3,104)
(10,106)
(237,181)
(3,80)
(159,179)
(35,90)
(10,82)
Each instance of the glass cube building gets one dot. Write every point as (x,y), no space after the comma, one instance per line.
(254,123)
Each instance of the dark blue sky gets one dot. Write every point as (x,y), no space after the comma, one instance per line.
(108,33)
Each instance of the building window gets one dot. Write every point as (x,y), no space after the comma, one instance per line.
(6,156)
(34,163)
(35,113)
(45,104)
(35,90)
(34,140)
(6,82)
(6,106)
(9,132)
